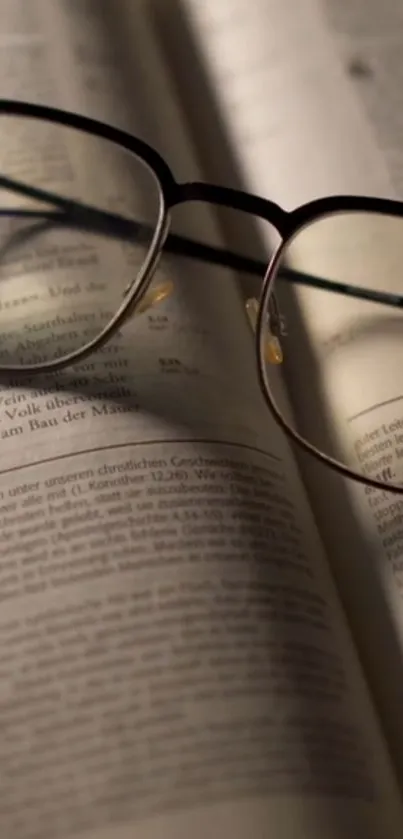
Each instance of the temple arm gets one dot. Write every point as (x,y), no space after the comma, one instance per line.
(75,214)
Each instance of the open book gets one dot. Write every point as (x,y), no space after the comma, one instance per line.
(200,634)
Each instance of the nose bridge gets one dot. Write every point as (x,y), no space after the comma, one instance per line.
(233,199)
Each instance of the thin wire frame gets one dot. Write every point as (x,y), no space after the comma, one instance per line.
(261,355)
(172,193)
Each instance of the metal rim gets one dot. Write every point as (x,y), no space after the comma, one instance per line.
(265,386)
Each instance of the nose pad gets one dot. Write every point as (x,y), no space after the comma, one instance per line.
(154,296)
(273,352)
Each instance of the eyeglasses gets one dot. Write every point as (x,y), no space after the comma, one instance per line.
(93,201)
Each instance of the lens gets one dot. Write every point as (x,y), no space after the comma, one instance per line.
(79,218)
(340,383)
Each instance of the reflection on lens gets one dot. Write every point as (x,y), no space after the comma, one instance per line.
(341,381)
(82,214)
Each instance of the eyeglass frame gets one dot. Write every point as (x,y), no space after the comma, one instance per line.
(287,223)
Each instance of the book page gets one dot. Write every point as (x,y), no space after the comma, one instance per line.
(368,41)
(310,94)
(174,658)
(276,72)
